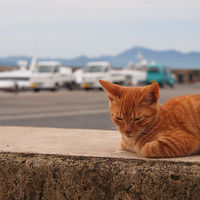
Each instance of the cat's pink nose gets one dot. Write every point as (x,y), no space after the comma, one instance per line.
(128,131)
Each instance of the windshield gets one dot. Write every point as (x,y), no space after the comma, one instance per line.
(153,69)
(93,69)
(42,69)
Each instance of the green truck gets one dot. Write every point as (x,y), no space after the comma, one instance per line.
(161,74)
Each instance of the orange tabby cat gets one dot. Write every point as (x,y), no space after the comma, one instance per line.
(151,129)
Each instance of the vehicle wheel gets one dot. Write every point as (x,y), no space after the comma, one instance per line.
(119,83)
(16,88)
(171,85)
(161,85)
(71,86)
(36,90)
(56,87)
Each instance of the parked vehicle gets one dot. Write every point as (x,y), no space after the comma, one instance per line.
(100,70)
(161,74)
(134,77)
(78,76)
(68,78)
(51,76)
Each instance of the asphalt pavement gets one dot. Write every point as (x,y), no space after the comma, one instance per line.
(68,109)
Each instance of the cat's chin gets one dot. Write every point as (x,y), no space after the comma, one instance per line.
(128,136)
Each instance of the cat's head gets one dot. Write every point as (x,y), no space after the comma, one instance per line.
(132,109)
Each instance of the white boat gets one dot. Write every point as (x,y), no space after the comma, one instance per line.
(17,79)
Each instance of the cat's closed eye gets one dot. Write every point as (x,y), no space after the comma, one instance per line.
(118,118)
(137,119)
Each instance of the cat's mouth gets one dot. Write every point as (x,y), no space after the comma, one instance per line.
(134,135)
(128,135)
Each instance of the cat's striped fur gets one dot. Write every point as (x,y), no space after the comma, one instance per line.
(151,129)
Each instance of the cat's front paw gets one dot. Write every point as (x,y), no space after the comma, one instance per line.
(151,150)
(123,146)
(145,152)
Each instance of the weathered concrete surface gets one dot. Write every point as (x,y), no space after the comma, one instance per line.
(44,163)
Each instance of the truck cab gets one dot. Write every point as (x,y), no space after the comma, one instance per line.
(95,71)
(161,74)
(46,75)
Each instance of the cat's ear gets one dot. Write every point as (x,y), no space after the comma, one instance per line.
(151,93)
(112,90)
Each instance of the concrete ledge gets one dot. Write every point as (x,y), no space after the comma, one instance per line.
(44,163)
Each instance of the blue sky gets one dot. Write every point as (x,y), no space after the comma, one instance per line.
(70,28)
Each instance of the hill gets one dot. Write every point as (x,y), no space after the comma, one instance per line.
(172,58)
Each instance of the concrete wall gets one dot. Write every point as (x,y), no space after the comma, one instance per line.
(43,163)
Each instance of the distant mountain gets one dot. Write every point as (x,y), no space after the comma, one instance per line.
(172,58)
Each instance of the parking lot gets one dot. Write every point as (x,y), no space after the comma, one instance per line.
(68,109)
